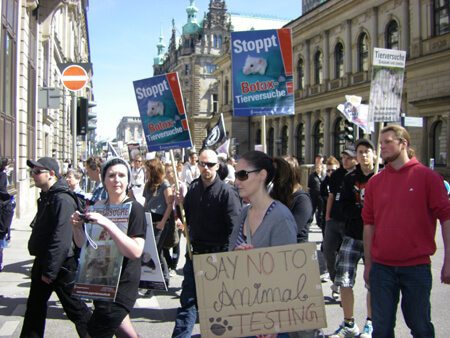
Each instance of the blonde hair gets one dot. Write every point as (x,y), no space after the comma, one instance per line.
(401,134)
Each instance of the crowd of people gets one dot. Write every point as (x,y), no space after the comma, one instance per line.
(387,219)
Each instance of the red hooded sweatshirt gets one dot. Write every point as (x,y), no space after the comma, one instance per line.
(403,206)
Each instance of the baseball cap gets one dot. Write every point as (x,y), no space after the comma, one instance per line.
(350,151)
(364,141)
(46,163)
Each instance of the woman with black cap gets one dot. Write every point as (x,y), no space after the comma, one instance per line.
(108,316)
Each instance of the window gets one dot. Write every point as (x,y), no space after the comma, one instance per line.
(8,66)
(284,141)
(258,137)
(220,41)
(215,41)
(210,68)
(338,138)
(215,103)
(318,138)
(186,43)
(339,61)
(300,141)
(439,152)
(441,17)
(270,142)
(186,70)
(363,53)
(226,92)
(300,75)
(392,36)
(318,68)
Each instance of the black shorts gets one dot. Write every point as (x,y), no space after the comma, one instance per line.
(105,319)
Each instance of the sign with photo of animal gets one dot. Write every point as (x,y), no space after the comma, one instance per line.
(387,85)
(162,112)
(260,291)
(262,71)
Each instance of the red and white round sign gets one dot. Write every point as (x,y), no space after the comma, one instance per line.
(74,78)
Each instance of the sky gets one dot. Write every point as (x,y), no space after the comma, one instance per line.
(123,38)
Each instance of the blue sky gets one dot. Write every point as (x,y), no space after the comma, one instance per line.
(123,38)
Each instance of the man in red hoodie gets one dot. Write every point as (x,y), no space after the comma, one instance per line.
(402,204)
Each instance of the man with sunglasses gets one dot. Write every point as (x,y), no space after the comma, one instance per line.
(212,208)
(51,242)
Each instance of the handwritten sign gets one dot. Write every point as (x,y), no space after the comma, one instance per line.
(260,291)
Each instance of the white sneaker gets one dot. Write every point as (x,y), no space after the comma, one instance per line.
(368,329)
(325,277)
(345,331)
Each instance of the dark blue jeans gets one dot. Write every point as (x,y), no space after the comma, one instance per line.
(414,283)
(187,313)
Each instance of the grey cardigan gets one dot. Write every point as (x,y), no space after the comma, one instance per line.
(277,228)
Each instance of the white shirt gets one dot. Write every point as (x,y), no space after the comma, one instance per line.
(190,173)
(138,176)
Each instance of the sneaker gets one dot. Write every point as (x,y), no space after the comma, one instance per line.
(335,291)
(172,273)
(368,329)
(345,331)
(325,277)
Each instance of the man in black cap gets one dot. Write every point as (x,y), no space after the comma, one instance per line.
(51,242)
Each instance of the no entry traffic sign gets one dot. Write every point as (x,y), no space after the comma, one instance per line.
(74,78)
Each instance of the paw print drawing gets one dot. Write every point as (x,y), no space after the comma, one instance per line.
(218,327)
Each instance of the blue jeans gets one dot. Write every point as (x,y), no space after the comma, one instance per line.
(187,313)
(414,283)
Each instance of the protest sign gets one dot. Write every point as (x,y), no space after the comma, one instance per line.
(151,273)
(100,260)
(262,72)
(162,112)
(387,85)
(356,113)
(259,291)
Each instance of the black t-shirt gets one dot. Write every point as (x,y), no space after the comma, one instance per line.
(336,180)
(131,270)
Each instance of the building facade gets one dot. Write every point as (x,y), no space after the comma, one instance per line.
(193,55)
(333,46)
(36,38)
(130,130)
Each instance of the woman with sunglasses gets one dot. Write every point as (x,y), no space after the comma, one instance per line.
(289,191)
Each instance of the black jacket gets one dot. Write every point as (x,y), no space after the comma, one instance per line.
(301,208)
(352,202)
(51,239)
(211,212)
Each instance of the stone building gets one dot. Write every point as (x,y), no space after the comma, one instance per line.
(130,130)
(333,45)
(36,36)
(193,56)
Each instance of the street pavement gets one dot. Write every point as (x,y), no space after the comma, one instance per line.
(154,316)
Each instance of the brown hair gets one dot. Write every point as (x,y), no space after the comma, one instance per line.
(332,161)
(157,174)
(401,134)
(94,162)
(287,180)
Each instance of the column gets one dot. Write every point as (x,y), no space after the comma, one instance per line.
(308,158)
(307,64)
(375,26)
(404,42)
(424,143)
(327,132)
(348,47)
(326,56)
(291,134)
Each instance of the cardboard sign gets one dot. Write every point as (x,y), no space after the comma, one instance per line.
(259,291)
(262,72)
(162,112)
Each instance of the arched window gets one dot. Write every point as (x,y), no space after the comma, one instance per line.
(258,137)
(300,142)
(338,61)
(338,138)
(270,142)
(318,138)
(220,41)
(300,75)
(284,141)
(439,152)
(363,53)
(226,92)
(392,36)
(318,68)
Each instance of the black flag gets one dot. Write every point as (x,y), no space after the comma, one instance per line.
(217,134)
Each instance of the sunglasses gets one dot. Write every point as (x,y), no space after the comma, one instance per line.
(242,175)
(38,171)
(204,164)
(331,170)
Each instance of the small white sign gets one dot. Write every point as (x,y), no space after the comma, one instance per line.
(413,121)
